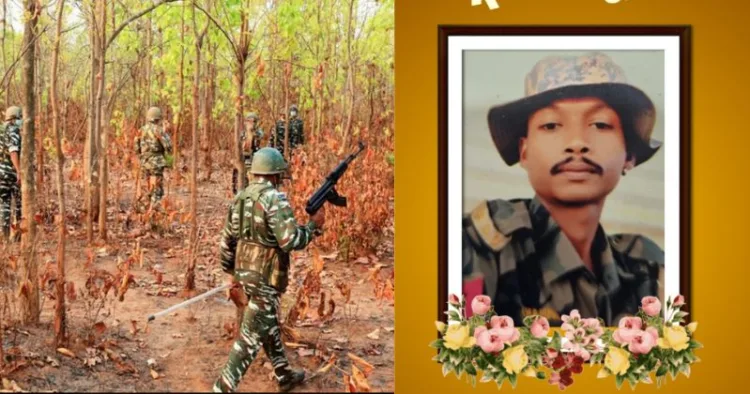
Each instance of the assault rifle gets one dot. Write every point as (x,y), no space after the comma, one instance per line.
(327,192)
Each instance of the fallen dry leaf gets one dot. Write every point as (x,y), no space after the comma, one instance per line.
(349,383)
(177,335)
(294,345)
(328,365)
(389,329)
(52,362)
(100,327)
(154,374)
(360,381)
(66,352)
(374,334)
(366,367)
(305,352)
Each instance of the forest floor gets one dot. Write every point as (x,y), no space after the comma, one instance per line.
(191,345)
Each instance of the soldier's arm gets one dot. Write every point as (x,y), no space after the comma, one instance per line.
(289,234)
(166,140)
(228,243)
(301,133)
(14,148)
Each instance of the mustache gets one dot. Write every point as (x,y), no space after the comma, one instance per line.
(596,168)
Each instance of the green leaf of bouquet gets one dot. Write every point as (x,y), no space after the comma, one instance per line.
(486,377)
(447,368)
(470,370)
(513,380)
(453,315)
(633,381)
(444,355)
(437,344)
(541,375)
(473,380)
(618,381)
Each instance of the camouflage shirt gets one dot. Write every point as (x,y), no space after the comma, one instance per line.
(529,267)
(10,141)
(256,135)
(259,233)
(296,134)
(151,144)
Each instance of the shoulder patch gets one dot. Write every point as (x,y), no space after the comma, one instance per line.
(482,222)
(637,246)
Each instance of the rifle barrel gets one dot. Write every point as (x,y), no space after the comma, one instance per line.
(190,301)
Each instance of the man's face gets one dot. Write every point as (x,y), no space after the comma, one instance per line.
(574,151)
(249,123)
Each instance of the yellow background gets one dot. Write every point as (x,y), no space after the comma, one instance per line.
(721,267)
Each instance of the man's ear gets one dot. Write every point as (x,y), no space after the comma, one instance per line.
(522,146)
(630,163)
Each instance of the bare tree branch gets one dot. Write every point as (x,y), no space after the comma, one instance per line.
(132,18)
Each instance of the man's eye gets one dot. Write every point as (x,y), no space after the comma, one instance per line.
(603,126)
(549,126)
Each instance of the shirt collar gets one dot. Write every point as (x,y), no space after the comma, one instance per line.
(562,258)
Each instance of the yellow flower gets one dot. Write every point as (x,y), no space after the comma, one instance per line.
(440,326)
(692,326)
(515,359)
(457,336)
(617,360)
(675,338)
(530,372)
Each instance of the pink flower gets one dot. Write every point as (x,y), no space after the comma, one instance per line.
(490,340)
(453,299)
(679,300)
(506,330)
(540,327)
(478,331)
(642,342)
(551,352)
(583,353)
(628,328)
(654,333)
(651,305)
(481,304)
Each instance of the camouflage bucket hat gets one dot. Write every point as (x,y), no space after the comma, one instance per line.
(560,77)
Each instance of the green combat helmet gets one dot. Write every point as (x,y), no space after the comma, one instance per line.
(13,113)
(153,114)
(252,115)
(293,111)
(268,161)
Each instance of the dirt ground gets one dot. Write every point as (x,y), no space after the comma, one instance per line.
(191,345)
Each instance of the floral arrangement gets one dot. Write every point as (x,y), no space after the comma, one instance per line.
(640,345)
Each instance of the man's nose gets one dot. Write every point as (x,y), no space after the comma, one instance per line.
(577,143)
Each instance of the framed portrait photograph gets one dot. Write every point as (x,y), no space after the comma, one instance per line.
(564,169)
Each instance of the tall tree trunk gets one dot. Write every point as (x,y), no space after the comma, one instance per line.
(100,124)
(176,146)
(29,294)
(5,60)
(39,122)
(91,152)
(60,335)
(190,273)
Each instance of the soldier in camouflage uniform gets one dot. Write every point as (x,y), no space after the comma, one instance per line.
(256,242)
(152,144)
(251,138)
(296,131)
(579,128)
(10,147)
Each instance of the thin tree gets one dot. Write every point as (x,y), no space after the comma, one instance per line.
(29,294)
(60,336)
(190,273)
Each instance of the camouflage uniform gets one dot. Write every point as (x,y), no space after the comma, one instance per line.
(296,133)
(256,242)
(151,145)
(516,252)
(529,267)
(10,141)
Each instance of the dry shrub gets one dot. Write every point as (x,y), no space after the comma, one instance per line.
(368,186)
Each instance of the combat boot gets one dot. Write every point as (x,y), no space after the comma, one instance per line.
(291,380)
